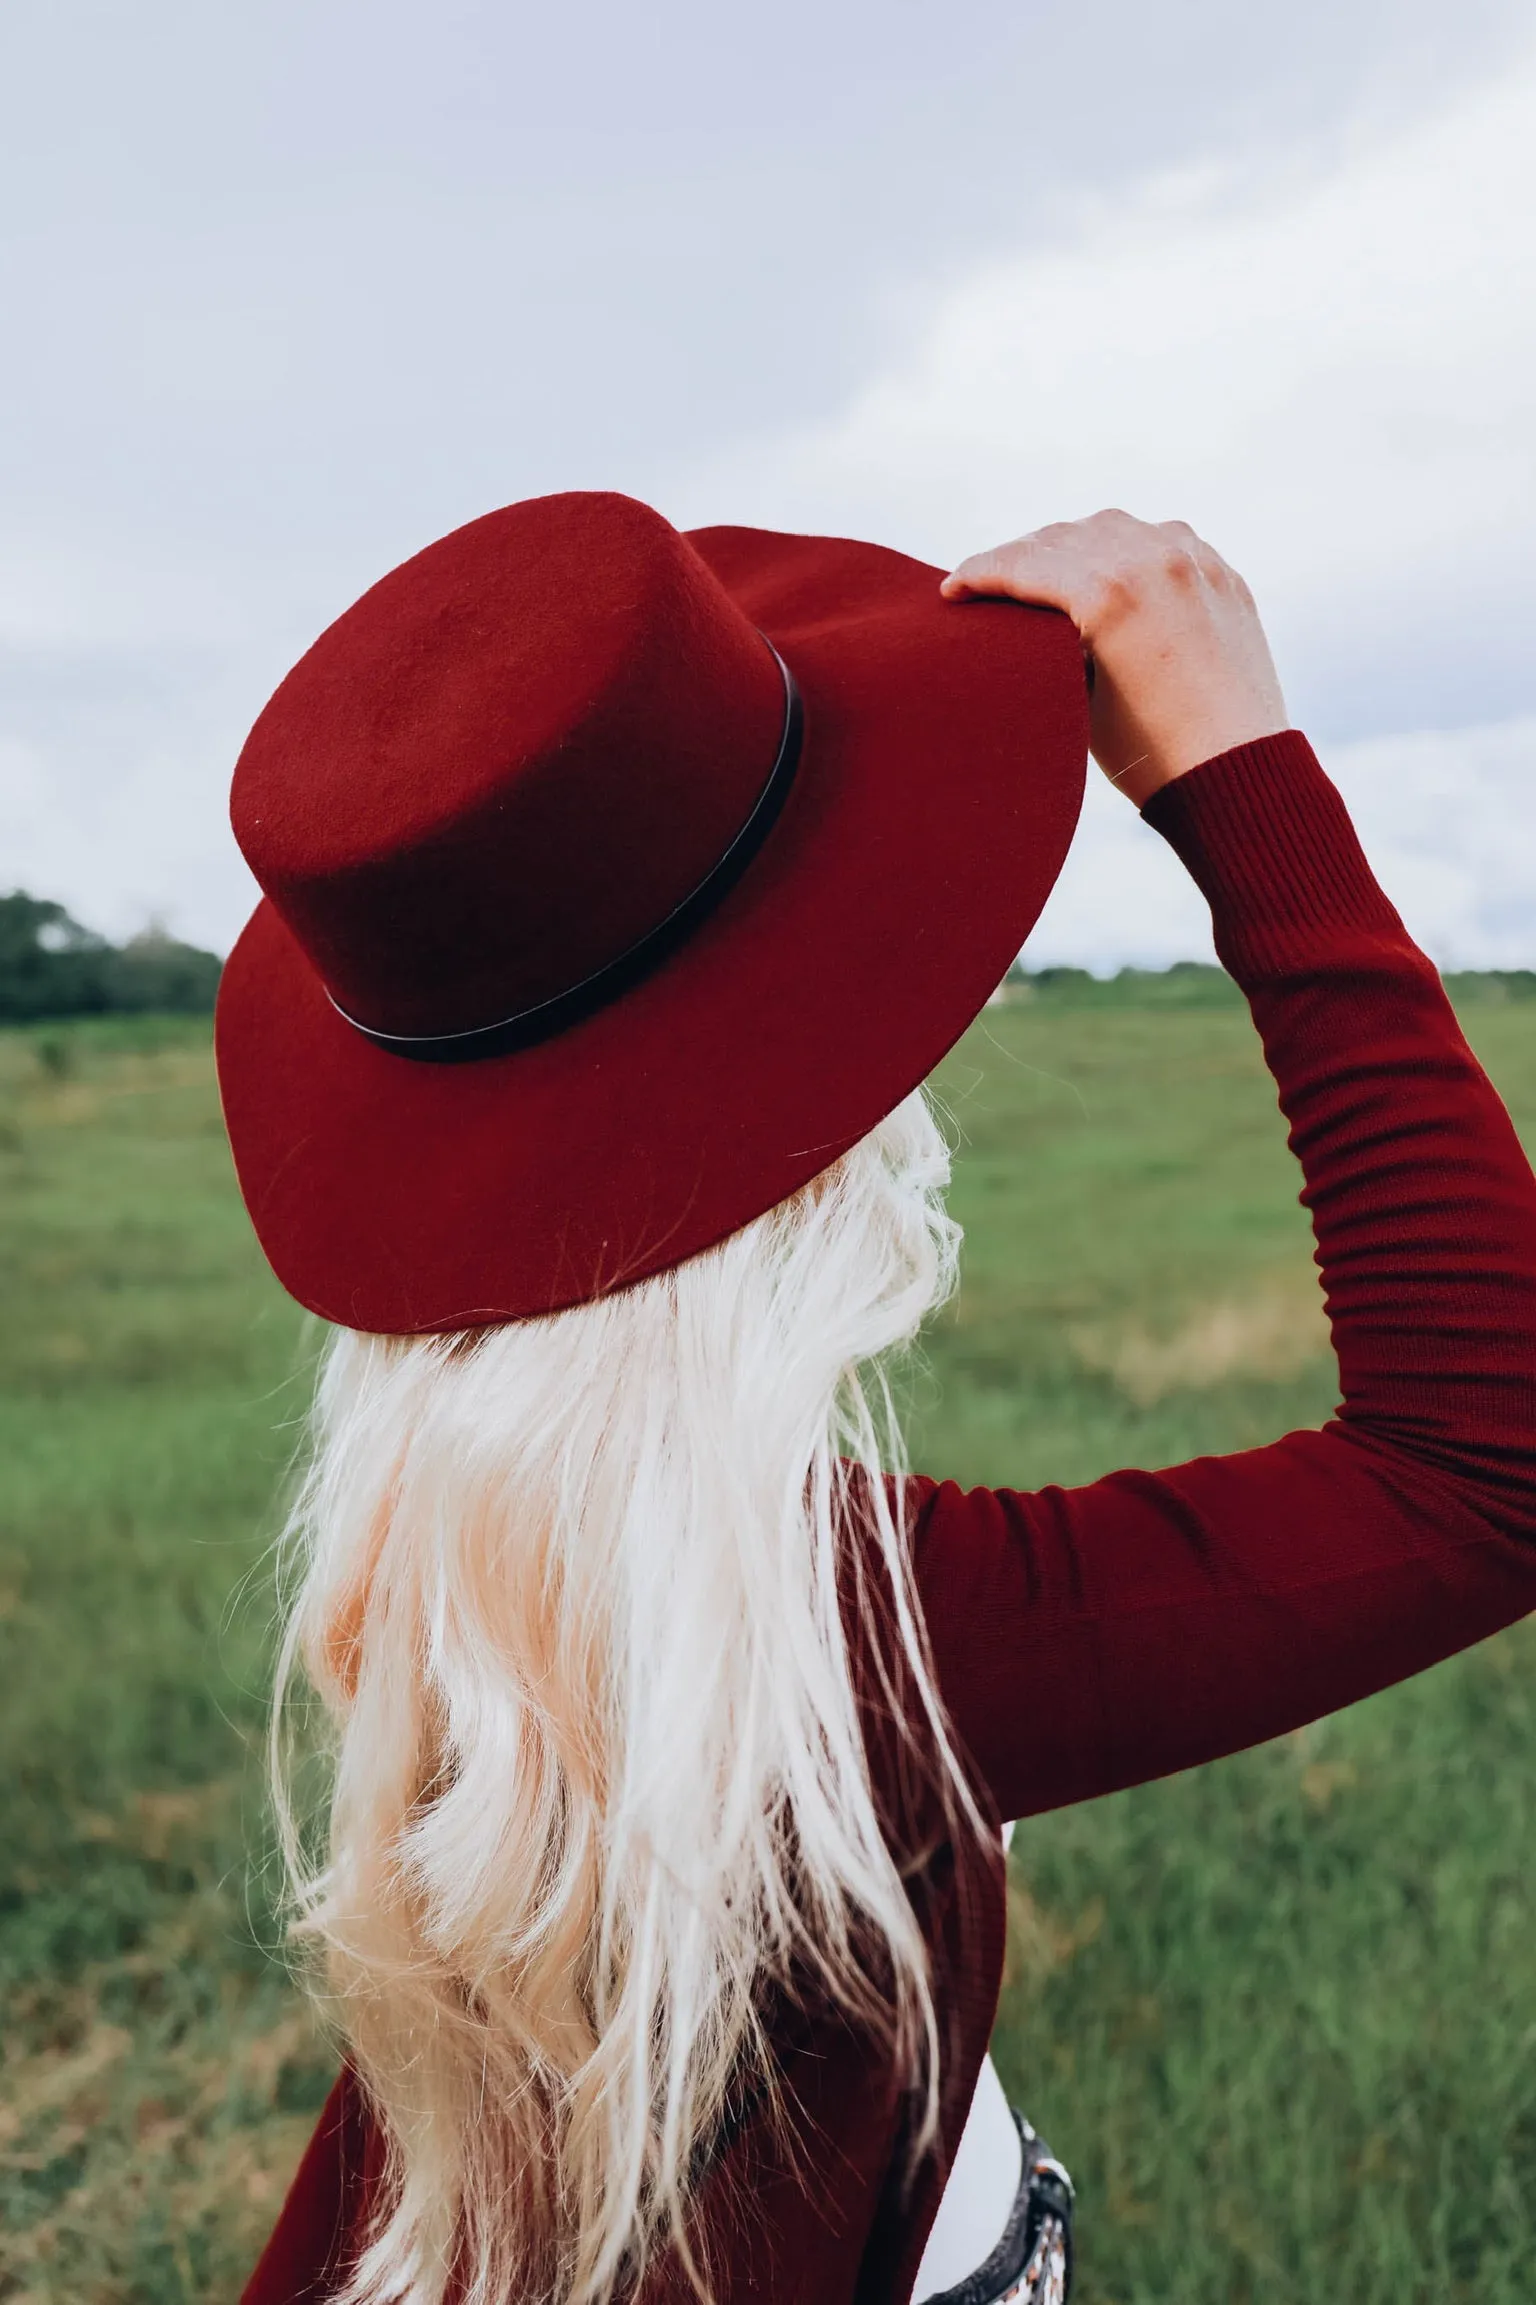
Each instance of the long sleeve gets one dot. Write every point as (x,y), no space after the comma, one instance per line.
(1091,1638)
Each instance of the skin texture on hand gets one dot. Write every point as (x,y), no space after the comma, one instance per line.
(1179,665)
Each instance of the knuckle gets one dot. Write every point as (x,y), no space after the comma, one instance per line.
(1112,594)
(1010,554)
(1179,566)
(1220,574)
(1206,558)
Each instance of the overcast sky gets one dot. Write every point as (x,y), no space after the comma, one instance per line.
(292,286)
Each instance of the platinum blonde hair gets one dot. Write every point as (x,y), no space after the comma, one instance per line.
(568,1590)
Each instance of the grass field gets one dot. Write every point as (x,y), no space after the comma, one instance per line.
(1280,2015)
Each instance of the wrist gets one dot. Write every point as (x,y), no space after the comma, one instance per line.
(1163,763)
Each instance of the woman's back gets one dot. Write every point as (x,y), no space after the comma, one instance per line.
(663,1903)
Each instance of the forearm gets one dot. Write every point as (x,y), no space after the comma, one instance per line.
(1160,1619)
(1423,1203)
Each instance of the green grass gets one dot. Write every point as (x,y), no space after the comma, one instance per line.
(1280,2014)
(157,2073)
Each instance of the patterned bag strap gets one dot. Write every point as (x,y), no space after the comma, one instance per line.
(1046,2278)
(1032,2263)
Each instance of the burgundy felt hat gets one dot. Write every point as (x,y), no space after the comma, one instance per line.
(617,881)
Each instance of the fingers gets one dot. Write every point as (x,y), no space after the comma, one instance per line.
(1045,565)
(1183,669)
(1095,569)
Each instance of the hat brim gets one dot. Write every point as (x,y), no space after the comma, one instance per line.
(939,787)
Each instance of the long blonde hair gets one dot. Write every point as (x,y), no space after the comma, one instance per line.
(569,1592)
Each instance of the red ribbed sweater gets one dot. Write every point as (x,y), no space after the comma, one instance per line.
(1087,1639)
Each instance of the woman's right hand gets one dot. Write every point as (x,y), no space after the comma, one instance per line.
(1181,669)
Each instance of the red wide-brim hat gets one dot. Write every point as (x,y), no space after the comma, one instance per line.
(616,882)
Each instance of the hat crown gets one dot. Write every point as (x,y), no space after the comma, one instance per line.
(508,763)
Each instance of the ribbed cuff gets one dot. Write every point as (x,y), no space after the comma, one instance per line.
(1268,840)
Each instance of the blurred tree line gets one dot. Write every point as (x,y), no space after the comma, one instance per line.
(52,967)
(1199,984)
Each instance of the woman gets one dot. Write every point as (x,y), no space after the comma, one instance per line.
(622,888)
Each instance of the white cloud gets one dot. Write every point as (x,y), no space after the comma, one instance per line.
(113,783)
(1447,818)
(24,813)
(1123,899)
(1332,371)
(1333,376)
